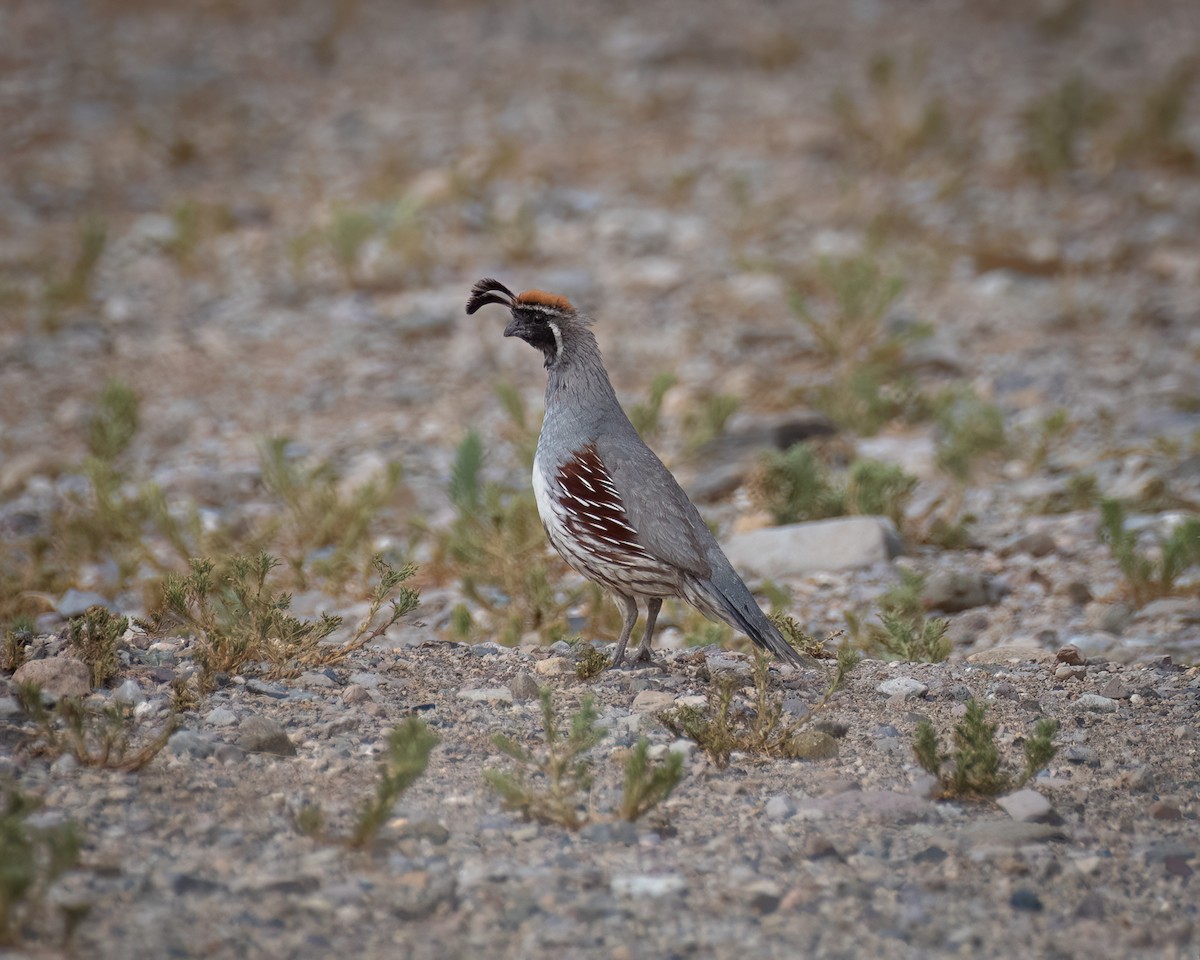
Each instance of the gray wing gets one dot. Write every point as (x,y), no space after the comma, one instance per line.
(668,526)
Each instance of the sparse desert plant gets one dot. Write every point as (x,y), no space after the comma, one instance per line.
(554,785)
(409,746)
(971,430)
(591,663)
(645,416)
(15,643)
(31,859)
(794,486)
(73,289)
(1149,574)
(895,121)
(106,736)
(323,531)
(976,770)
(903,631)
(94,637)
(1055,125)
(238,618)
(706,421)
(345,235)
(845,304)
(497,549)
(521,431)
(1156,134)
(760,728)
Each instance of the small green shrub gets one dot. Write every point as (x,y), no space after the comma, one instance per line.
(903,632)
(31,859)
(108,736)
(94,637)
(497,549)
(408,750)
(645,416)
(794,486)
(591,664)
(971,430)
(761,728)
(239,619)
(977,771)
(1056,123)
(1149,575)
(554,785)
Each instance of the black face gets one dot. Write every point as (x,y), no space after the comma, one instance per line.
(534,328)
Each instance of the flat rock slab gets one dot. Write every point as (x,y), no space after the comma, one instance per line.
(802,548)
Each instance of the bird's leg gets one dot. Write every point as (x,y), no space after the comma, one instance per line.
(653,605)
(630,612)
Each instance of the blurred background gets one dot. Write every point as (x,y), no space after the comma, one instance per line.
(955,240)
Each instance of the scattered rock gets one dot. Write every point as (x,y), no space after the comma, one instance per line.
(906,687)
(780,807)
(259,734)
(1094,703)
(553,667)
(487,695)
(652,701)
(647,885)
(57,676)
(129,693)
(1027,806)
(952,591)
(74,602)
(523,686)
(189,743)
(220,717)
(1069,654)
(802,548)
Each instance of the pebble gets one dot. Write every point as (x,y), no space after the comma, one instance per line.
(647,885)
(276,691)
(780,807)
(220,717)
(553,667)
(129,693)
(523,686)
(487,695)
(1094,703)
(355,693)
(1069,654)
(1025,899)
(653,701)
(906,687)
(1067,671)
(952,591)
(189,743)
(1026,806)
(259,734)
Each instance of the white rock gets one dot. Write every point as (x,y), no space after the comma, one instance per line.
(220,717)
(906,687)
(1094,703)
(129,692)
(652,701)
(552,666)
(645,885)
(1025,805)
(489,694)
(802,548)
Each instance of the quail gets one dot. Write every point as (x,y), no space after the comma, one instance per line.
(608,504)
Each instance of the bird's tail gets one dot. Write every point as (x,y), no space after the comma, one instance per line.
(728,599)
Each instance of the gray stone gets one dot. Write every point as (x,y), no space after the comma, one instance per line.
(189,743)
(220,717)
(906,687)
(799,549)
(523,686)
(9,707)
(355,693)
(653,701)
(952,591)
(364,679)
(780,807)
(646,885)
(57,676)
(1108,617)
(259,734)
(487,694)
(1025,805)
(276,691)
(1094,703)
(74,602)
(129,692)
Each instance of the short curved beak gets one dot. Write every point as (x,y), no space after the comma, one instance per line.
(514,329)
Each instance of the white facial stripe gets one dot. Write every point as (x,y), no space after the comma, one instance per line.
(557,338)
